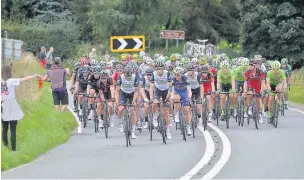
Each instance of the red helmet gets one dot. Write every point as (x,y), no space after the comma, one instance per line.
(84,61)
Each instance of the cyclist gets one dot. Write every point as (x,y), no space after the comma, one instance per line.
(238,78)
(127,87)
(224,84)
(182,92)
(287,69)
(73,81)
(254,83)
(106,92)
(145,88)
(195,82)
(92,89)
(160,85)
(276,81)
(207,81)
(81,84)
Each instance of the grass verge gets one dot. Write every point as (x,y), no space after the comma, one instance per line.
(42,128)
(296,93)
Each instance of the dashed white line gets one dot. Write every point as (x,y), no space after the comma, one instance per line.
(209,151)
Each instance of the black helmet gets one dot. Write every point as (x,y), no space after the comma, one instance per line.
(128,71)
(103,73)
(190,66)
(149,70)
(205,68)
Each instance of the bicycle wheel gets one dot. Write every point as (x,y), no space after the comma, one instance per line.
(283,105)
(255,114)
(226,114)
(204,115)
(193,121)
(162,127)
(84,116)
(106,121)
(242,112)
(217,109)
(182,124)
(130,129)
(96,121)
(126,127)
(150,119)
(275,113)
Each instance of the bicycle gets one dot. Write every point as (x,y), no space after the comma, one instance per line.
(204,112)
(275,110)
(217,108)
(182,121)
(106,118)
(161,121)
(240,110)
(255,110)
(94,109)
(83,118)
(127,125)
(194,120)
(150,120)
(226,109)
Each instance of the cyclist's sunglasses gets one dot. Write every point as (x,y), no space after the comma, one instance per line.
(149,74)
(119,70)
(195,66)
(252,64)
(177,74)
(159,68)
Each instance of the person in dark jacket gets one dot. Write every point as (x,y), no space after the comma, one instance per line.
(57,76)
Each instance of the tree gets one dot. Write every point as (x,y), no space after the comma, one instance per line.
(273,28)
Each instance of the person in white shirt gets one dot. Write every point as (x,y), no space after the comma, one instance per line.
(10,110)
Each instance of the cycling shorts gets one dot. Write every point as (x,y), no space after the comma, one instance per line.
(123,97)
(239,85)
(158,93)
(225,87)
(196,93)
(184,97)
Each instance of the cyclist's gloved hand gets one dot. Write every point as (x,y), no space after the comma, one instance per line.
(232,91)
(217,92)
(146,100)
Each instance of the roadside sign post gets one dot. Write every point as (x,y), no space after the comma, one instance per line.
(11,50)
(172,34)
(127,43)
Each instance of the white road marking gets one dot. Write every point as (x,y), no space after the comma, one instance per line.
(79,130)
(209,151)
(225,154)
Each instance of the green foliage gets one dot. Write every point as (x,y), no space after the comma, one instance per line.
(232,50)
(41,129)
(274,29)
(296,91)
(62,36)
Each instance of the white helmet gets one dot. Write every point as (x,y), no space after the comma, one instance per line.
(194,60)
(142,53)
(179,70)
(93,61)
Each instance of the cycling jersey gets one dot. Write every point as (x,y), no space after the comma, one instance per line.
(254,80)
(225,78)
(275,78)
(104,86)
(145,83)
(180,87)
(194,81)
(81,78)
(92,81)
(207,82)
(161,82)
(239,73)
(128,85)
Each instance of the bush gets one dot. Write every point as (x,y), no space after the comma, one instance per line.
(63,36)
(231,50)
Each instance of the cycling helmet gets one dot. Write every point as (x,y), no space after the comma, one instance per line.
(284,61)
(194,60)
(96,70)
(258,57)
(93,62)
(224,64)
(149,70)
(223,57)
(135,56)
(128,71)
(245,62)
(84,61)
(268,63)
(119,67)
(190,66)
(123,57)
(203,61)
(181,64)
(238,62)
(179,70)
(276,65)
(77,64)
(172,57)
(216,63)
(156,56)
(205,68)
(85,69)
(159,63)
(178,56)
(149,61)
(170,68)
(142,53)
(103,64)
(103,73)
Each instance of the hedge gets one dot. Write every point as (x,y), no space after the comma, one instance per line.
(62,36)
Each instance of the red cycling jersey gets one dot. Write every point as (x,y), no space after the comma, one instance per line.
(206,81)
(115,76)
(254,81)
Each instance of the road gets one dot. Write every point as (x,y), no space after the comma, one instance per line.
(239,152)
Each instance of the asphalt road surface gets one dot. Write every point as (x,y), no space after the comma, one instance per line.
(239,152)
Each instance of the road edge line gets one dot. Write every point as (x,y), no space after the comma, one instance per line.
(296,110)
(224,156)
(79,129)
(209,151)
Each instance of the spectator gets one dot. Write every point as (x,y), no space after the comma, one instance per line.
(42,56)
(57,76)
(50,58)
(93,55)
(10,110)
